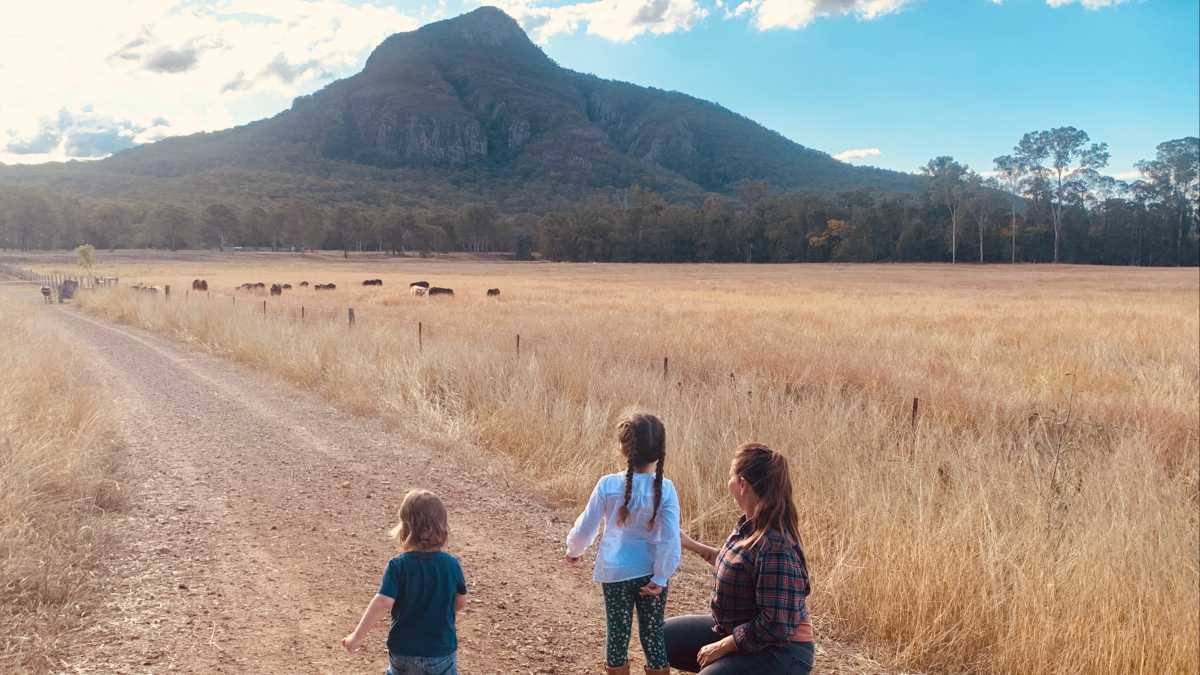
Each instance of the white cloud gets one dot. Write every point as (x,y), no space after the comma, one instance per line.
(1087,4)
(857,153)
(769,14)
(615,20)
(139,61)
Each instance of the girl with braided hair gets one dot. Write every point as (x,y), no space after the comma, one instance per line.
(640,549)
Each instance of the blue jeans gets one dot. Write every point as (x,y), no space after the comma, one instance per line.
(687,634)
(423,665)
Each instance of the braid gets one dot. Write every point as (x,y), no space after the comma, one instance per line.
(623,514)
(658,480)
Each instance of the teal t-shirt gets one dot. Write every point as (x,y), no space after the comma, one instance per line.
(425,586)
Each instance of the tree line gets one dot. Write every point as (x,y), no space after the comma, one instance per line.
(1046,201)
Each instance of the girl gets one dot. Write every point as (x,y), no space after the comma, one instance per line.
(423,589)
(759,623)
(640,548)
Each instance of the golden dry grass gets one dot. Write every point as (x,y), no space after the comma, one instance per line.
(57,478)
(1042,516)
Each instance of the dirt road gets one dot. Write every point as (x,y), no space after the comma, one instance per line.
(257,531)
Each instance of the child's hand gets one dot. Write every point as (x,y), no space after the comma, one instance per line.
(351,643)
(650,590)
(572,559)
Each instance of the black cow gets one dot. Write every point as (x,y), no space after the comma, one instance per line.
(373,282)
(493,292)
(303,284)
(199,285)
(325,287)
(276,289)
(287,287)
(434,290)
(46,294)
(422,284)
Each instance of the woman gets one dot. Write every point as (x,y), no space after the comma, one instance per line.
(759,621)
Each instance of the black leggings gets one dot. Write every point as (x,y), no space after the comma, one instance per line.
(687,634)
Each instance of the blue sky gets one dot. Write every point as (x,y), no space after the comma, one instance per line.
(897,80)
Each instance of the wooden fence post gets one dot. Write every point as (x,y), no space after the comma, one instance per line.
(301,312)
(420,340)
(264,307)
(518,345)
(916,403)
(167,291)
(350,315)
(664,369)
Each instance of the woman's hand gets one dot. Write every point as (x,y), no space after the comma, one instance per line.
(703,550)
(711,653)
(351,643)
(650,590)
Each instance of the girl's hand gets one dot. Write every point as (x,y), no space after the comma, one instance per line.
(650,590)
(351,643)
(572,560)
(711,653)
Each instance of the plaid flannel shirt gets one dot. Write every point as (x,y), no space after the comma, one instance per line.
(760,593)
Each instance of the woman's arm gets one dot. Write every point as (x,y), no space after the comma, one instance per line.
(703,550)
(380,606)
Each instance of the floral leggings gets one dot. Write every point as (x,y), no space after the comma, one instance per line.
(620,598)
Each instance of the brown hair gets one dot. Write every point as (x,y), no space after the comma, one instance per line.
(423,522)
(643,440)
(767,472)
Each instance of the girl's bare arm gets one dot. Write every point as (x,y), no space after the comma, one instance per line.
(703,550)
(380,606)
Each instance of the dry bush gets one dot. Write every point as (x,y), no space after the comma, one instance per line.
(57,478)
(1041,516)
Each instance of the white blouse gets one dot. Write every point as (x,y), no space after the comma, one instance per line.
(632,550)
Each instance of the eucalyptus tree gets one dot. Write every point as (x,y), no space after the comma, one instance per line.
(1072,162)
(1009,170)
(947,188)
(1173,176)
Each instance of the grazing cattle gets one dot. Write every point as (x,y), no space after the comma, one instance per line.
(373,282)
(66,291)
(303,284)
(493,292)
(418,290)
(422,284)
(287,287)
(46,293)
(199,285)
(434,290)
(325,287)
(276,289)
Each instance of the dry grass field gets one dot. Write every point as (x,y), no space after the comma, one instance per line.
(1040,514)
(57,477)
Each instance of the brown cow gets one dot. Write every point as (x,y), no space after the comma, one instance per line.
(493,292)
(303,284)
(199,285)
(276,289)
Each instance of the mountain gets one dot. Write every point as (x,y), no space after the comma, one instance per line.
(470,109)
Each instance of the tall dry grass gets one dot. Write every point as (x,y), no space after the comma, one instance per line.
(1043,514)
(58,469)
